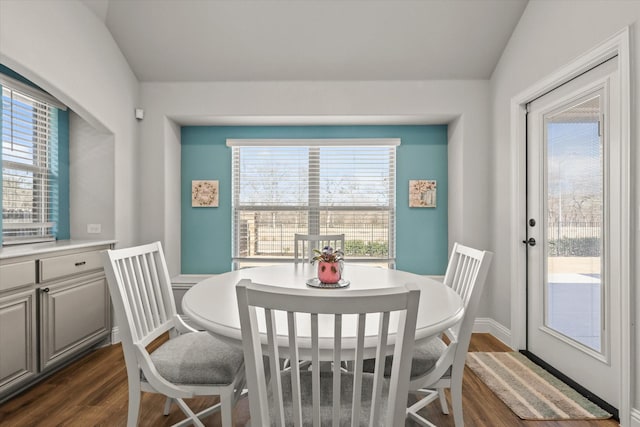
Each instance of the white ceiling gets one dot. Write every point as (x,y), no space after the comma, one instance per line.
(311,40)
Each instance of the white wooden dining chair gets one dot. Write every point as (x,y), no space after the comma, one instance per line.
(321,396)
(437,365)
(190,363)
(304,244)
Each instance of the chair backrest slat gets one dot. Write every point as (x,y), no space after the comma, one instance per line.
(357,368)
(142,285)
(337,364)
(295,373)
(466,274)
(276,382)
(138,276)
(319,306)
(379,368)
(315,373)
(131,283)
(154,293)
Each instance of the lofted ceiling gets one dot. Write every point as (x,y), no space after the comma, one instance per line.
(310,40)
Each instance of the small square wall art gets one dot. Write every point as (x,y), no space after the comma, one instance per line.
(204,194)
(422,193)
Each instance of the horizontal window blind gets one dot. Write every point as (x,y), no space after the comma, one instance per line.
(29,153)
(285,189)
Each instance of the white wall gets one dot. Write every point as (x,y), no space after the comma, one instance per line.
(91,180)
(548,36)
(62,46)
(172,194)
(463,102)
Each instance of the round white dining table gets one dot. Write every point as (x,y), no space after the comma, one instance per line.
(212,305)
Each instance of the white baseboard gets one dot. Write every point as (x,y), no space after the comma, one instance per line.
(487,325)
(115,335)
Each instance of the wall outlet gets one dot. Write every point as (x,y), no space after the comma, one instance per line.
(94,228)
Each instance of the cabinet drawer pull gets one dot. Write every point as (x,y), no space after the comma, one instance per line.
(78,264)
(45,290)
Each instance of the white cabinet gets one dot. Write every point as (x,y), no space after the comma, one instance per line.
(74,314)
(18,356)
(54,305)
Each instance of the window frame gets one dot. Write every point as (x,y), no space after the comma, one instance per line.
(313,205)
(43,224)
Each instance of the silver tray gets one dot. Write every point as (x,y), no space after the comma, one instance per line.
(316,283)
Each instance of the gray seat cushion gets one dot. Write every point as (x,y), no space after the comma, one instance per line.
(197,358)
(326,398)
(424,359)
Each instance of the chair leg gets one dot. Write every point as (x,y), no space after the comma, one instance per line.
(226,408)
(134,403)
(167,406)
(456,399)
(443,401)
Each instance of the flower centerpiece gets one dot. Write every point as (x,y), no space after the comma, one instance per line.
(330,264)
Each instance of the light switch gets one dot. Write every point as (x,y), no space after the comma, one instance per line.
(94,228)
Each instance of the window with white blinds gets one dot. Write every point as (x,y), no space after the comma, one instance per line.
(29,162)
(313,187)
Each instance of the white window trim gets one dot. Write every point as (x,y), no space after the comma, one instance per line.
(26,89)
(328,142)
(40,96)
(319,142)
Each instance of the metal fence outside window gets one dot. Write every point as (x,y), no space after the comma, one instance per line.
(276,240)
(575,238)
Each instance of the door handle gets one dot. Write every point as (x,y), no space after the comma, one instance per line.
(530,242)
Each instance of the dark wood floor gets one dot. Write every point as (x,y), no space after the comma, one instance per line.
(93,392)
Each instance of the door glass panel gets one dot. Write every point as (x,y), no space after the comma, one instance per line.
(574,208)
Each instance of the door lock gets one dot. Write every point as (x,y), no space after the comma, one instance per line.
(530,242)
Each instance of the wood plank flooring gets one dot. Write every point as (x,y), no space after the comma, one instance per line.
(93,392)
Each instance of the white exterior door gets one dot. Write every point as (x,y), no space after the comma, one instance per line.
(573,231)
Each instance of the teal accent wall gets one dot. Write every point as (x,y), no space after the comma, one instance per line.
(421,233)
(61,164)
(62,220)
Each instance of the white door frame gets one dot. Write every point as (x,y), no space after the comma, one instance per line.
(618,44)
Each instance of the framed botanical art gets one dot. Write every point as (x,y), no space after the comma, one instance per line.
(422,193)
(204,194)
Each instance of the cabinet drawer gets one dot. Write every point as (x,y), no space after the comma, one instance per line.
(17,275)
(60,266)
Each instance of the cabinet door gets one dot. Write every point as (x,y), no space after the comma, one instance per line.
(18,361)
(74,315)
